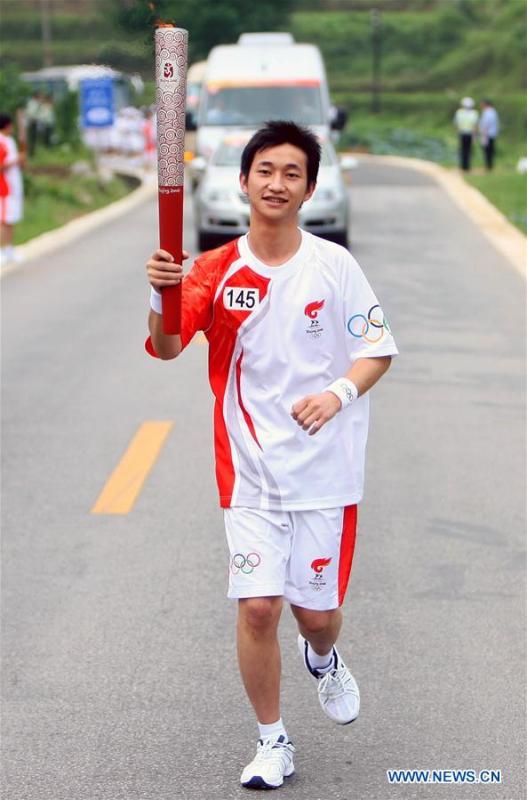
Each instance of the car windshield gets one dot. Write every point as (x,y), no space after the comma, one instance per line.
(229,154)
(253,105)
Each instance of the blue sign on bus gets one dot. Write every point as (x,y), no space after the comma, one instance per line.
(97,106)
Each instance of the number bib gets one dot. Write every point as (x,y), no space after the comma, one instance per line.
(237,298)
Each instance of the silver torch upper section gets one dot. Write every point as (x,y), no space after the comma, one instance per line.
(171,46)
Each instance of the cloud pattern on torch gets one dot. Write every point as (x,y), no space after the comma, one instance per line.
(171,76)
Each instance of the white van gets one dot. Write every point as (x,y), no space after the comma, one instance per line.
(265,76)
(195,75)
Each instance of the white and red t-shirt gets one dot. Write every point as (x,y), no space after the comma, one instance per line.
(277,334)
(11,188)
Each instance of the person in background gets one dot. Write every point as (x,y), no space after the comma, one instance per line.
(47,121)
(33,110)
(489,127)
(466,120)
(11,189)
(149,134)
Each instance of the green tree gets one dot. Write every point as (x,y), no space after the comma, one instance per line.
(210,23)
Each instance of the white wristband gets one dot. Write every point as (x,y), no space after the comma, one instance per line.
(345,390)
(155,301)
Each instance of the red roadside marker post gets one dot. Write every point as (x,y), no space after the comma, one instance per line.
(171,48)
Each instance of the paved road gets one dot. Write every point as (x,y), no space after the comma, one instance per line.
(119,671)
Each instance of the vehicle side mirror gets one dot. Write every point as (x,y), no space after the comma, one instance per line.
(196,169)
(339,119)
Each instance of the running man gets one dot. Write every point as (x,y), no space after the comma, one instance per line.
(296,339)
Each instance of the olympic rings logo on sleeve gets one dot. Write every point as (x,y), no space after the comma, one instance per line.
(359,326)
(245,564)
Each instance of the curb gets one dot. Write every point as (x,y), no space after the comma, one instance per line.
(493,224)
(51,240)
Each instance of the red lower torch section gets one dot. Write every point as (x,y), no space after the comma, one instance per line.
(171,240)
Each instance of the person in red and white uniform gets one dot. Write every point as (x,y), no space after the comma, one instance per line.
(296,339)
(11,189)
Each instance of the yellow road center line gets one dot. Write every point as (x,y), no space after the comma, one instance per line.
(123,487)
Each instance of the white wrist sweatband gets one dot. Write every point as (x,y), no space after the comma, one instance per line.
(155,301)
(345,390)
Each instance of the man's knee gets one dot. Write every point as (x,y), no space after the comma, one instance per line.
(260,613)
(315,623)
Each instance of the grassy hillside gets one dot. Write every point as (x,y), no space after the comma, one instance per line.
(432,52)
(479,45)
(426,45)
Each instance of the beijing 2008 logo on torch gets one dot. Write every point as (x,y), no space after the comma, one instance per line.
(169,76)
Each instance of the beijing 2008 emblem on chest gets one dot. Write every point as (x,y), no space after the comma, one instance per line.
(315,329)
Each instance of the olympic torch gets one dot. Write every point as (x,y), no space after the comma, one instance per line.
(171,45)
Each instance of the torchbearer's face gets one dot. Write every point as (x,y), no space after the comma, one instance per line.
(277,182)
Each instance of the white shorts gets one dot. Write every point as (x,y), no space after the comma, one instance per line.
(304,556)
(11,209)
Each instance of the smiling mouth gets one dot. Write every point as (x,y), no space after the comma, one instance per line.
(275,200)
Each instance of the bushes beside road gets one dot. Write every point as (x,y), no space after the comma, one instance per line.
(62,184)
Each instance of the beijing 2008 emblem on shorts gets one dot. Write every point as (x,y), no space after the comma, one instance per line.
(245,564)
(318,566)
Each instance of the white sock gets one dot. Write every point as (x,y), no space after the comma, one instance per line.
(321,663)
(273,730)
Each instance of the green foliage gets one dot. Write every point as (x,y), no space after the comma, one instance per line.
(420,125)
(462,45)
(125,55)
(508,191)
(212,22)
(13,91)
(53,200)
(390,138)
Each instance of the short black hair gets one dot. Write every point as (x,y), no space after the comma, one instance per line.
(276,132)
(5,120)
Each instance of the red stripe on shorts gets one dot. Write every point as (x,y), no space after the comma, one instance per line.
(347,547)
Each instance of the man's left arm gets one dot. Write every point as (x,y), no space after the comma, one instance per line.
(313,411)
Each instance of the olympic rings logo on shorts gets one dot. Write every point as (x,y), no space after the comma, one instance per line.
(245,564)
(359,325)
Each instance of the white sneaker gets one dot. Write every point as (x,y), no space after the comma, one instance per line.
(338,692)
(273,762)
